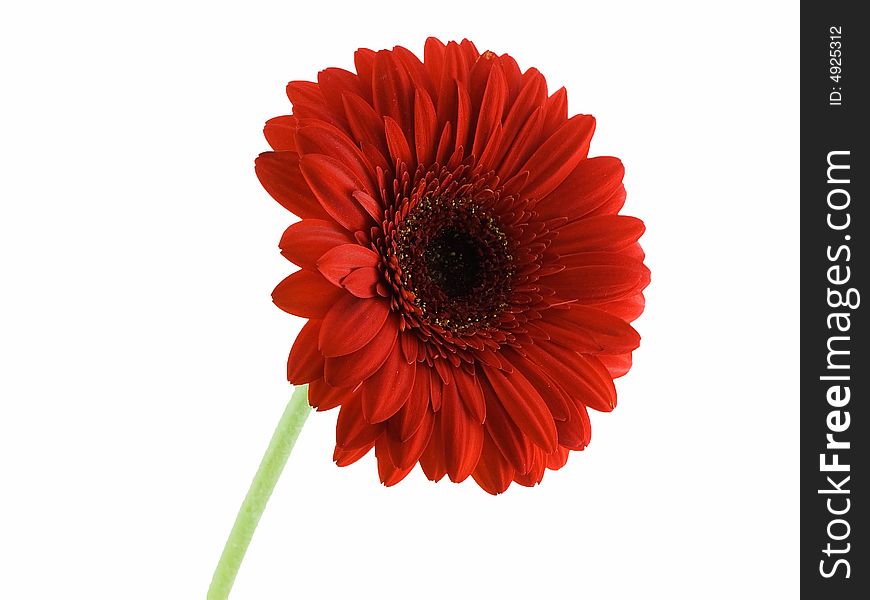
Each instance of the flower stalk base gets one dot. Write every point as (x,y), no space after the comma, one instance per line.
(252,508)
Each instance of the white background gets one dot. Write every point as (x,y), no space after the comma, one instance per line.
(143,361)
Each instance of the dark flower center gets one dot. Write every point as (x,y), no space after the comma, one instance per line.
(453,261)
(456,261)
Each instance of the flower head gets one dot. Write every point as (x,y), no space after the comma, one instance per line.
(467,280)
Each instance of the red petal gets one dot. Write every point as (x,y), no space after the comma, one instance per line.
(634,251)
(333,185)
(376,156)
(333,83)
(525,406)
(370,205)
(343,458)
(305,363)
(280,132)
(443,370)
(352,430)
(424,128)
(432,459)
(352,323)
(409,419)
(405,453)
(309,103)
(547,388)
(515,184)
(597,283)
(536,470)
(364,61)
(628,309)
(280,175)
(581,377)
(391,89)
(551,164)
(433,58)
(337,262)
(306,294)
(416,70)
(487,157)
(444,146)
(365,124)
(389,473)
(319,137)
(478,76)
(504,432)
(435,388)
(469,51)
(521,149)
(462,436)
(463,117)
(398,144)
(568,335)
(573,433)
(598,234)
(579,325)
(491,108)
(493,473)
(531,96)
(609,259)
(362,282)
(349,370)
(513,75)
(471,395)
(599,377)
(306,241)
(592,183)
(557,459)
(611,205)
(455,69)
(323,396)
(585,424)
(616,364)
(555,111)
(581,425)
(385,392)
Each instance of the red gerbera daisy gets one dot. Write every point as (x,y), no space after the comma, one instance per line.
(467,279)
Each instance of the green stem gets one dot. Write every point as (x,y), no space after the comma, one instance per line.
(258,495)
